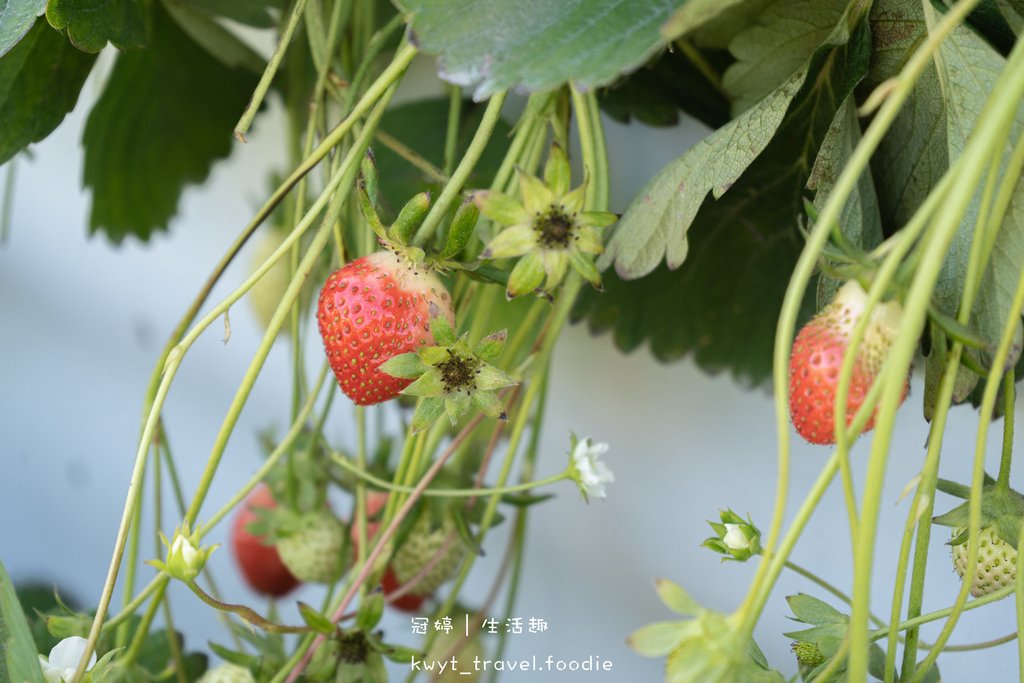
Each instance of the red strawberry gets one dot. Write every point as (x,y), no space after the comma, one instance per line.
(373,308)
(260,564)
(817,359)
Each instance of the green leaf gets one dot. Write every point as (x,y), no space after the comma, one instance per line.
(257,13)
(811,610)
(181,124)
(16,18)
(859,222)
(18,659)
(931,129)
(655,93)
(40,79)
(215,39)
(536,45)
(675,598)
(697,14)
(656,222)
(416,125)
(91,23)
(769,52)
(723,303)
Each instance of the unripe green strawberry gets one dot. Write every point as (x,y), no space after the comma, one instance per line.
(314,552)
(421,545)
(266,294)
(465,651)
(817,357)
(227,673)
(997,562)
(808,655)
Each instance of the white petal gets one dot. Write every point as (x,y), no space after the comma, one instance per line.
(64,659)
(734,538)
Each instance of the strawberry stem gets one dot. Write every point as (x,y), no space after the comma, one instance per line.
(384,485)
(1009,397)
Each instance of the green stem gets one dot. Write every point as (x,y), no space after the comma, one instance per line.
(519,530)
(1009,396)
(295,16)
(385,485)
(803,271)
(987,404)
(469,160)
(1018,586)
(247,613)
(346,177)
(920,513)
(8,201)
(132,653)
(412,156)
(451,135)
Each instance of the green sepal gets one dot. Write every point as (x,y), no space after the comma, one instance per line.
(588,241)
(557,172)
(405,366)
(376,671)
(957,331)
(597,219)
(370,213)
(514,241)
(351,672)
(410,218)
(489,378)
(585,267)
(432,355)
(536,195)
(315,620)
(461,229)
(429,384)
(676,598)
(490,405)
(526,276)
(370,611)
(501,208)
(400,654)
(659,638)
(439,325)
(233,657)
(456,404)
(572,203)
(491,346)
(370,176)
(525,500)
(466,536)
(427,412)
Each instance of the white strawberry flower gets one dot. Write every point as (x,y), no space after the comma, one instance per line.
(734,538)
(589,473)
(185,557)
(60,666)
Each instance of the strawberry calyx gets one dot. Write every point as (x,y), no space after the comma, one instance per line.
(1002,509)
(451,376)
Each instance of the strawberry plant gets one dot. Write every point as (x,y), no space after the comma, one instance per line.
(846,233)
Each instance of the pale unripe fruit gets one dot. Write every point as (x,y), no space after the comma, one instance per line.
(266,294)
(997,562)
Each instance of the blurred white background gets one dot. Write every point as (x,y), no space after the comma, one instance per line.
(81,324)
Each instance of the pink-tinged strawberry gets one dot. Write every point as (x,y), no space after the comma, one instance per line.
(372,309)
(260,564)
(817,359)
(997,561)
